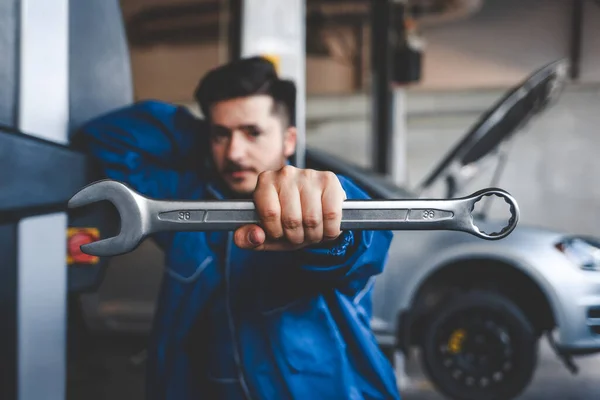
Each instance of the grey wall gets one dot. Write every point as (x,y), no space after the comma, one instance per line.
(506,40)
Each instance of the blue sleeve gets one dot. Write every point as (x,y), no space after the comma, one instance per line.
(154,147)
(355,256)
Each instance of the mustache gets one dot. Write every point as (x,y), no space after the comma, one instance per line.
(233,167)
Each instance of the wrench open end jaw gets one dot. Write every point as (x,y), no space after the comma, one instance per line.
(130,206)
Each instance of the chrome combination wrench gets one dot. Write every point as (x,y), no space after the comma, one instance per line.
(142,216)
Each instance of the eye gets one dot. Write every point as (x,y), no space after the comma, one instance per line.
(219,133)
(252,131)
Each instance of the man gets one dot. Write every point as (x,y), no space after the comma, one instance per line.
(276,311)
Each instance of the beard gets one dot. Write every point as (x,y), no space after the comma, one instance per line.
(238,187)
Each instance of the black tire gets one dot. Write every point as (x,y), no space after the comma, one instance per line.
(497,355)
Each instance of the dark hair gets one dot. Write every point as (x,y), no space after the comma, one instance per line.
(247,77)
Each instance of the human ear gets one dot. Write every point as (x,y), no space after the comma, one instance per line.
(289,141)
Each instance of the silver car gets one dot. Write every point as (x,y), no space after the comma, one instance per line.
(475,309)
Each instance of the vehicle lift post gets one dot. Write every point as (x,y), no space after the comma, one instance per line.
(54,57)
(388,114)
(34,105)
(388,102)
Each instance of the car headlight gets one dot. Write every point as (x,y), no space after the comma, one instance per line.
(583,251)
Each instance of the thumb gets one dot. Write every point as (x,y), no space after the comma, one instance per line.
(249,237)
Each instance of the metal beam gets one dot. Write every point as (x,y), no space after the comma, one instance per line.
(576,36)
(235,29)
(381,93)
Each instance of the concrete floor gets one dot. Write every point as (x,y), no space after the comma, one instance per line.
(108,373)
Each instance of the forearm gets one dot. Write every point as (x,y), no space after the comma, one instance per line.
(150,146)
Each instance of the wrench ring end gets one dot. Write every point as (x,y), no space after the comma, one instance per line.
(513,208)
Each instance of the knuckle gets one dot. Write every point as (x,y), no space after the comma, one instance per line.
(265,177)
(292,223)
(311,222)
(329,177)
(287,171)
(270,214)
(309,173)
(332,215)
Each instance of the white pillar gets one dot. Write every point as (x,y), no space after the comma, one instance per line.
(42,276)
(276,29)
(398,149)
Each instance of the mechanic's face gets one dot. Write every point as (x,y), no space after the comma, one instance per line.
(247,138)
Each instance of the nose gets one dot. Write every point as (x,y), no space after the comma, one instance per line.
(237,146)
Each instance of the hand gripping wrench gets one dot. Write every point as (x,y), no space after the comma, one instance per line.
(142,216)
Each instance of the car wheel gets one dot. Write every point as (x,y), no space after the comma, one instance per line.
(479,345)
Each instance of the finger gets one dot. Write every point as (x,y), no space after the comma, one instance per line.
(249,237)
(266,201)
(312,213)
(291,213)
(279,245)
(332,200)
(253,237)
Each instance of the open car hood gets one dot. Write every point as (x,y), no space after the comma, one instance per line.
(526,100)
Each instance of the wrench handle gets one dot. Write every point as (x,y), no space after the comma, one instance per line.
(427,214)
